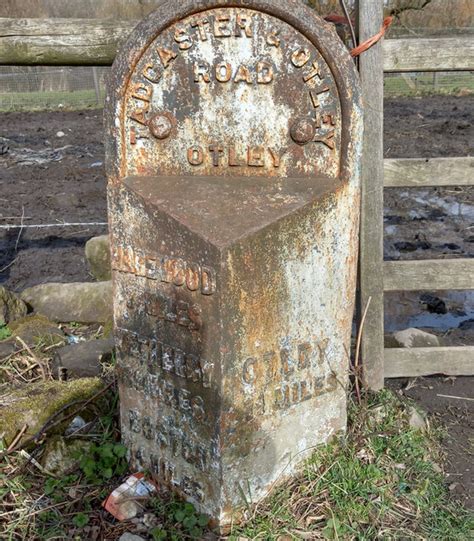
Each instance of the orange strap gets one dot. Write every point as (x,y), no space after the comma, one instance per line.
(367,44)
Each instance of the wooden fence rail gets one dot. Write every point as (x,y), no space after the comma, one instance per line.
(58,42)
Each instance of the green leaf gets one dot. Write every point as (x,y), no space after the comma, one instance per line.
(80,520)
(107,473)
(179,515)
(5,332)
(120,450)
(158,534)
(203,520)
(189,509)
(190,522)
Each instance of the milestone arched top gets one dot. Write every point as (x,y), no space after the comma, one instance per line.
(241,88)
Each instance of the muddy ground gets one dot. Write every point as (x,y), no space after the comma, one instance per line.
(51,172)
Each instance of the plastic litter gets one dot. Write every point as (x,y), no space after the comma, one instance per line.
(122,502)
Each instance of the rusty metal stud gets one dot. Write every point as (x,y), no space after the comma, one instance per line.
(160,126)
(302,131)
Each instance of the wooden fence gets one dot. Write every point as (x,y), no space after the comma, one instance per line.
(95,42)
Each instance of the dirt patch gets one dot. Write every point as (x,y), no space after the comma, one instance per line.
(447,400)
(66,183)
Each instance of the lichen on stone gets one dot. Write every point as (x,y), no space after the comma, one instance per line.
(35,403)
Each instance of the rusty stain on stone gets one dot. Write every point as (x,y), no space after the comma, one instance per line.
(233,143)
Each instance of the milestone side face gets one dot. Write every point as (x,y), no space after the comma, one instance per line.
(231,91)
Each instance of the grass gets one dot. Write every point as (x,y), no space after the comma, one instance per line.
(423,84)
(382,480)
(394,85)
(38,101)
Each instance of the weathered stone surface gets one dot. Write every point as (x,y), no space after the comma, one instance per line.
(34,403)
(98,257)
(416,419)
(37,329)
(414,338)
(62,456)
(82,360)
(233,197)
(127,536)
(81,302)
(11,307)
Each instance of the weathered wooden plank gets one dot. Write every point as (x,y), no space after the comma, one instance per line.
(95,42)
(61,41)
(429,54)
(371,231)
(450,361)
(432,274)
(422,172)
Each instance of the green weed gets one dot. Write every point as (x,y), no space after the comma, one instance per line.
(5,332)
(381,480)
(179,520)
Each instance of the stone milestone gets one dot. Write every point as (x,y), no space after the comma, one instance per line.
(233,138)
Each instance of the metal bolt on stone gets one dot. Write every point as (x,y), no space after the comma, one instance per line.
(233,141)
(160,126)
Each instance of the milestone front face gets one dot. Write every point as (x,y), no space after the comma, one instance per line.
(232,91)
(233,137)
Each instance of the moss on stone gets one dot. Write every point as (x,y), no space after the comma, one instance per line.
(35,403)
(37,329)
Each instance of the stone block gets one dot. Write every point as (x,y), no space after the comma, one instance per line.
(87,302)
(98,257)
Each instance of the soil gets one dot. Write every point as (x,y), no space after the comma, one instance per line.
(49,177)
(449,402)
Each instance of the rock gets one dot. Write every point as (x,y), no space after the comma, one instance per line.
(82,360)
(80,302)
(7,347)
(11,307)
(60,134)
(63,456)
(434,304)
(127,536)
(98,257)
(413,338)
(37,329)
(416,420)
(35,403)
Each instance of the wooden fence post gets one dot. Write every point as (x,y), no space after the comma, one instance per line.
(370,18)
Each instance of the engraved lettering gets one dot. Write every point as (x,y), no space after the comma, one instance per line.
(315,72)
(166,56)
(201,73)
(233,162)
(327,140)
(221,26)
(243,23)
(216,152)
(223,72)
(192,277)
(300,57)
(255,157)
(273,40)
(276,159)
(195,155)
(243,75)
(182,39)
(208,281)
(264,73)
(201,25)
(151,73)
